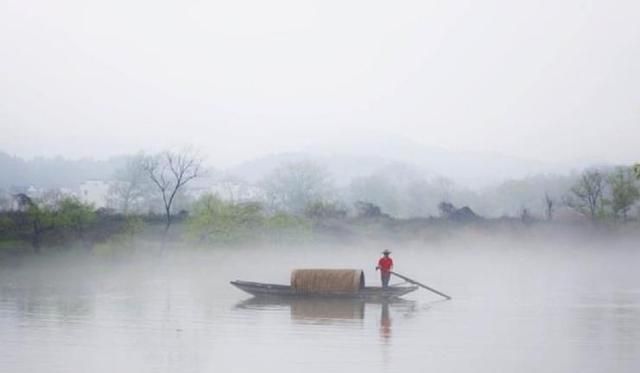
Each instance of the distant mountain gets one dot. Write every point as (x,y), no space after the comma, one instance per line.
(53,172)
(256,169)
(348,160)
(343,169)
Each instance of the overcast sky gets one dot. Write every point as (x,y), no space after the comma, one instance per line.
(545,80)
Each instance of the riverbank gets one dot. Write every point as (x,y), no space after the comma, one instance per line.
(119,235)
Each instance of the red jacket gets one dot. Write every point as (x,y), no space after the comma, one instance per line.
(386,264)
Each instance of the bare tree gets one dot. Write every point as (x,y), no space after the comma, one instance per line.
(548,206)
(588,192)
(170,171)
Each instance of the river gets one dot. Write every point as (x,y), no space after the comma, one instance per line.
(539,306)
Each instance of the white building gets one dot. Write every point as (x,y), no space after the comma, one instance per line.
(94,192)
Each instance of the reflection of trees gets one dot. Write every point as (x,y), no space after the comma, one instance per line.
(39,302)
(612,322)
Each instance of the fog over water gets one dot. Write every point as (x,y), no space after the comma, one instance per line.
(519,304)
(153,151)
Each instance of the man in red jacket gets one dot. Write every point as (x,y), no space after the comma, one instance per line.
(385,265)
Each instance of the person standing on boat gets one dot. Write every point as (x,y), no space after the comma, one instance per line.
(385,265)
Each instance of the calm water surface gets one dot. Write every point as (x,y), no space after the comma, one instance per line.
(517,308)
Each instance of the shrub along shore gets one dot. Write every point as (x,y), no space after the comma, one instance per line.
(212,222)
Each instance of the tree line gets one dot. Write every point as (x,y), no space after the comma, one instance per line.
(602,194)
(151,189)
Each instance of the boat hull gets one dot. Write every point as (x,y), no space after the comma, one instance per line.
(367,293)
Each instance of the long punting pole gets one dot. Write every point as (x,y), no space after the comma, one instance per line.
(407,279)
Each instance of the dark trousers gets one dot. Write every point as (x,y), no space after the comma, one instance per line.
(385,276)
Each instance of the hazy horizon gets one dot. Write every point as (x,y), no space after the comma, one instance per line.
(245,79)
(345,162)
(338,146)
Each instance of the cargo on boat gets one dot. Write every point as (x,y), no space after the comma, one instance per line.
(328,283)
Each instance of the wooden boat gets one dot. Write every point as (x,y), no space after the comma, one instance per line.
(325,283)
(370,293)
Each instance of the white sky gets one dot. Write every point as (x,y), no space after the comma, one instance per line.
(546,80)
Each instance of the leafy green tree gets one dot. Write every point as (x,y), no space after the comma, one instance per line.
(75,216)
(39,217)
(325,210)
(624,192)
(587,194)
(6,225)
(213,219)
(285,227)
(42,219)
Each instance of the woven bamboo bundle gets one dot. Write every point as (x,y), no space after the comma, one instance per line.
(327,280)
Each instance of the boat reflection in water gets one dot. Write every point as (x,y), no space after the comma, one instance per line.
(332,310)
(309,308)
(327,309)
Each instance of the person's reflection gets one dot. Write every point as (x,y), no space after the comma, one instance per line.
(385,322)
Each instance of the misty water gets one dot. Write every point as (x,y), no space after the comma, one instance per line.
(519,305)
